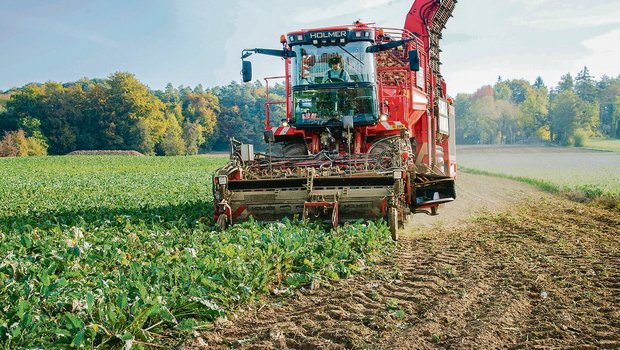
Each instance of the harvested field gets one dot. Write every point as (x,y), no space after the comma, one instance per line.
(540,273)
(592,173)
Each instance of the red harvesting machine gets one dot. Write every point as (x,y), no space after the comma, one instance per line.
(369,128)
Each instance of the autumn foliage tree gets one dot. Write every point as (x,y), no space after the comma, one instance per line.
(117,113)
(16,144)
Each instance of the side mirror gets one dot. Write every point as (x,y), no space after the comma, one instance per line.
(414,60)
(268,136)
(246,71)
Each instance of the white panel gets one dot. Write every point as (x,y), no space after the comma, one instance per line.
(443,108)
(419,78)
(443,125)
(247,152)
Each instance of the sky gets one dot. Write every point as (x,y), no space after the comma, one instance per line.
(191,42)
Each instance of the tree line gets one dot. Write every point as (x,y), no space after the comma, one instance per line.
(515,111)
(121,113)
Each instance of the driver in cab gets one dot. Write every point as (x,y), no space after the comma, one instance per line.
(336,74)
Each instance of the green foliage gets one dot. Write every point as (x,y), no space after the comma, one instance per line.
(614,127)
(534,111)
(569,113)
(539,83)
(121,113)
(564,111)
(580,138)
(201,108)
(566,83)
(3,100)
(513,111)
(242,113)
(609,100)
(585,86)
(502,91)
(486,119)
(520,90)
(196,112)
(172,143)
(100,252)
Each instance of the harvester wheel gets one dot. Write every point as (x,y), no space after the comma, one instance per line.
(222,222)
(393,221)
(294,149)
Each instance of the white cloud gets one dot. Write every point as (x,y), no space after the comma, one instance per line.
(554,15)
(468,81)
(574,20)
(336,9)
(604,53)
(533,4)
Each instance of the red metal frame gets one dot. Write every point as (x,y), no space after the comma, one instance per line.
(409,102)
(334,206)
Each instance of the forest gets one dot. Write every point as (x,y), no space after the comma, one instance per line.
(121,113)
(515,111)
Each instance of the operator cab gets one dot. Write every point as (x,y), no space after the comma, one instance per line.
(332,76)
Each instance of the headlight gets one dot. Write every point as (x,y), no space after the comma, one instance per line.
(222,179)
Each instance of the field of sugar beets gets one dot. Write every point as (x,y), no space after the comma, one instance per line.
(110,252)
(119,252)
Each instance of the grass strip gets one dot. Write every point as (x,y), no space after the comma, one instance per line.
(544,185)
(583,193)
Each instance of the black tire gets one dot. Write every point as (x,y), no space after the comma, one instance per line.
(222,222)
(393,221)
(383,152)
(294,150)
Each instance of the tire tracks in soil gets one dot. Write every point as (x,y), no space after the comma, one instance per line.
(532,278)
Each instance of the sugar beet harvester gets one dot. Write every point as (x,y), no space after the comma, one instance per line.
(369,129)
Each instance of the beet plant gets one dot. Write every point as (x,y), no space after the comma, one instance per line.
(118,252)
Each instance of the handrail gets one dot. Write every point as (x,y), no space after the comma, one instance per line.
(267,102)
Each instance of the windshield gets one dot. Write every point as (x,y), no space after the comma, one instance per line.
(332,64)
(318,106)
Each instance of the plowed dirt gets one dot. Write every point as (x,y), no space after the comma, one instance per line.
(531,271)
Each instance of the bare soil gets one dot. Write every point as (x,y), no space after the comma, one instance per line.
(509,267)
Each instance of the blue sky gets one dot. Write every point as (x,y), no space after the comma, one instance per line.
(187,42)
